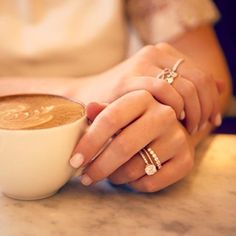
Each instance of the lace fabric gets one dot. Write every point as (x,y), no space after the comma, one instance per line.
(163,20)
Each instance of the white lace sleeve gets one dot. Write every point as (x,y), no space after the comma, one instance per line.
(164,20)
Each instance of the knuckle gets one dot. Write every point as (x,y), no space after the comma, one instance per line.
(145,95)
(163,45)
(203,78)
(160,85)
(189,89)
(169,113)
(120,146)
(147,50)
(111,121)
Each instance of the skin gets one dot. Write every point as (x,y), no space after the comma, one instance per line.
(132,84)
(119,161)
(176,166)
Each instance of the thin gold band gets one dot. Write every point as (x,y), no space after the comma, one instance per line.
(169,75)
(150,169)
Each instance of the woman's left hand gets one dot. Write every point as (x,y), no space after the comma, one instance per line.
(131,123)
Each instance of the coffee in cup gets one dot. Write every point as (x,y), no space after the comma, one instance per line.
(37,112)
(38,134)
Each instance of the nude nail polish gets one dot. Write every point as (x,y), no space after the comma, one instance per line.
(218,120)
(77,160)
(86,180)
(182,115)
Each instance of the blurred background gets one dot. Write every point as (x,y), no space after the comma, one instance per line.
(226,32)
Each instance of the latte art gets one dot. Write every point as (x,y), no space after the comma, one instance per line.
(37,111)
(21,115)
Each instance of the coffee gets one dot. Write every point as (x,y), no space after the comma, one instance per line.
(37,111)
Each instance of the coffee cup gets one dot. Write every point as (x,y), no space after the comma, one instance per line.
(36,143)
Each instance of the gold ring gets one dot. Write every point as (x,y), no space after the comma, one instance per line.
(150,169)
(168,74)
(155,158)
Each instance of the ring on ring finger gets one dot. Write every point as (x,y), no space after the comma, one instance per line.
(149,155)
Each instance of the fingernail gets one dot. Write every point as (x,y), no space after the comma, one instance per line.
(182,115)
(194,131)
(218,120)
(86,180)
(203,126)
(77,160)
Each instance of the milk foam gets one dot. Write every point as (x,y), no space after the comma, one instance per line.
(37,111)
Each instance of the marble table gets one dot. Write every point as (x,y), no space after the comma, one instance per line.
(204,203)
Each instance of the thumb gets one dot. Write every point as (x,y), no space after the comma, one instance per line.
(93,109)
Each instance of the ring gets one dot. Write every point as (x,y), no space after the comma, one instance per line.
(155,157)
(150,169)
(168,74)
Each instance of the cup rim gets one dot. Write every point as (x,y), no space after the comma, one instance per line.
(44,94)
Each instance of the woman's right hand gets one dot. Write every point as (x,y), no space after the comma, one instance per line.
(193,95)
(129,124)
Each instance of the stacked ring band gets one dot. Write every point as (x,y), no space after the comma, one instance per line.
(155,157)
(150,169)
(148,156)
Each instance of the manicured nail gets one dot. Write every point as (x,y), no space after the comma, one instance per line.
(218,120)
(194,131)
(182,115)
(77,160)
(86,180)
(203,126)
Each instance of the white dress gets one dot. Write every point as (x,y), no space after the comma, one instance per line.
(82,37)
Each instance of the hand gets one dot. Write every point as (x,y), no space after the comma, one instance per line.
(193,95)
(132,122)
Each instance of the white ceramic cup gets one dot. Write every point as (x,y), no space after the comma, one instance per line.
(34,164)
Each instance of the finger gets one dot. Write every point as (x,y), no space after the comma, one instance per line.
(93,109)
(161,90)
(170,173)
(215,117)
(205,84)
(135,167)
(220,86)
(191,100)
(130,171)
(164,56)
(112,119)
(122,148)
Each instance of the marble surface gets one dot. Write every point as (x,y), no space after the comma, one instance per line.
(204,203)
